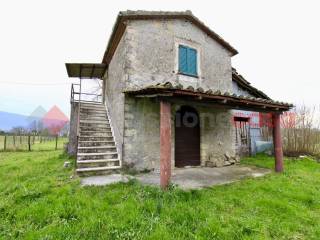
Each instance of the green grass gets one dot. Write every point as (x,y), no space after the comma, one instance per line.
(21,143)
(39,200)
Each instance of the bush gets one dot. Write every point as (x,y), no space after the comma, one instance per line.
(301,133)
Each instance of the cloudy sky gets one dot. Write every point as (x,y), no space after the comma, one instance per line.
(278,44)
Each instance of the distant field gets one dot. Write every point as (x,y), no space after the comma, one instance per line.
(20,143)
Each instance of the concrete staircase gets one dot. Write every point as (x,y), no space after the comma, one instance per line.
(97,151)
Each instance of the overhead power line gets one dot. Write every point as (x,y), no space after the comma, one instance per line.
(33,84)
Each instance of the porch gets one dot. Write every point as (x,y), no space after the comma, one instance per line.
(185,178)
(167,94)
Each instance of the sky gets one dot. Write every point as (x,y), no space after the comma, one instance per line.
(278,44)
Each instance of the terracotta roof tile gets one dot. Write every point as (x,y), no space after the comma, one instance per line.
(210,92)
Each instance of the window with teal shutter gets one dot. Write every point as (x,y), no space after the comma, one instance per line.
(187,60)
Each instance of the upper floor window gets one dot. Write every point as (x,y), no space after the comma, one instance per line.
(187,60)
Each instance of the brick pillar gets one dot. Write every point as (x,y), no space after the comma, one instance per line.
(165,144)
(277,142)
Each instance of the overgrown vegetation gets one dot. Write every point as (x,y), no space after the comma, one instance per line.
(39,200)
(301,131)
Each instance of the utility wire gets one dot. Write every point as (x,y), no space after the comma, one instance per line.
(33,84)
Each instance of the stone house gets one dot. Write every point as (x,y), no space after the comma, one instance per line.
(167,100)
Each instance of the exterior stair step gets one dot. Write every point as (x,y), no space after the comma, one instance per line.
(94,121)
(92,111)
(97,123)
(97,150)
(96,141)
(93,107)
(96,134)
(95,144)
(97,169)
(97,147)
(95,138)
(92,127)
(93,115)
(96,154)
(95,118)
(97,161)
(91,104)
(94,131)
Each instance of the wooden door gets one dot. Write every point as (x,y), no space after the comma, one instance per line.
(243,141)
(187,137)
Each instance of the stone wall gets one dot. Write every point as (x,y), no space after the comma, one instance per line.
(114,84)
(141,149)
(142,134)
(153,55)
(72,144)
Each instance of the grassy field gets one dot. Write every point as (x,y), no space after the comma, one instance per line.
(20,143)
(39,200)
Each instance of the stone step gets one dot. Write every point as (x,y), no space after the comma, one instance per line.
(95,138)
(103,155)
(94,117)
(103,121)
(97,160)
(98,163)
(95,134)
(96,169)
(107,130)
(94,127)
(94,106)
(92,111)
(96,154)
(91,103)
(100,124)
(102,107)
(96,149)
(96,143)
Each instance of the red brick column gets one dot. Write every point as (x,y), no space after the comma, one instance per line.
(165,144)
(277,142)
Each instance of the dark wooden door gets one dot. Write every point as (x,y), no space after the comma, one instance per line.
(243,141)
(187,137)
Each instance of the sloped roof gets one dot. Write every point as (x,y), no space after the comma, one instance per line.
(228,99)
(120,27)
(242,82)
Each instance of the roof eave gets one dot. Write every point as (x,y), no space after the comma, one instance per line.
(229,100)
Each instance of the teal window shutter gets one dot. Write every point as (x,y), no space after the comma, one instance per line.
(192,61)
(187,60)
(183,66)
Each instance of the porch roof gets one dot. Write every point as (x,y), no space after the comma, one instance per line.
(230,100)
(86,70)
